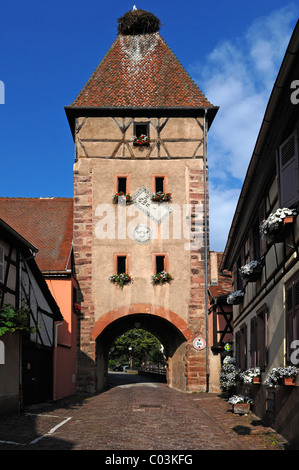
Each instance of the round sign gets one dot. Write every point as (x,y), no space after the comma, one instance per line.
(199,343)
(228,347)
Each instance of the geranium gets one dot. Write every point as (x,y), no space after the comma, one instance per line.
(122,197)
(235,297)
(161,197)
(141,140)
(274,221)
(121,279)
(161,278)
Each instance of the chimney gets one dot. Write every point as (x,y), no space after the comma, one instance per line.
(213,268)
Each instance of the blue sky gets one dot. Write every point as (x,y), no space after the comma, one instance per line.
(232,49)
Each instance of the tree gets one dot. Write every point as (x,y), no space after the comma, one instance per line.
(146,348)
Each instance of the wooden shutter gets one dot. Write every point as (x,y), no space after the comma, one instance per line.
(1,264)
(288,171)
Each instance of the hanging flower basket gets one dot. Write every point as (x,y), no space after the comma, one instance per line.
(250,272)
(162,278)
(235,298)
(277,225)
(141,140)
(121,279)
(122,198)
(161,197)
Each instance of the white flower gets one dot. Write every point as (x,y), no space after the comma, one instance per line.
(232,297)
(249,267)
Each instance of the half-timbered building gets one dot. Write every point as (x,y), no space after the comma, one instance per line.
(262,252)
(26,362)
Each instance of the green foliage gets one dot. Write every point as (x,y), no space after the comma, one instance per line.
(12,320)
(146,348)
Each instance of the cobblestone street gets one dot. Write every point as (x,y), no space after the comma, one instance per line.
(137,414)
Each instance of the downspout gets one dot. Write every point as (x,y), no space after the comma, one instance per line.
(206,247)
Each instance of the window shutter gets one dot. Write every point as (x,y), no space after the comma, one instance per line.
(1,264)
(288,172)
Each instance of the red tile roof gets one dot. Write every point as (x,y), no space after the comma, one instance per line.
(140,71)
(47,223)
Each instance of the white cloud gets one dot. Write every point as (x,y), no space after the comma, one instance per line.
(238,76)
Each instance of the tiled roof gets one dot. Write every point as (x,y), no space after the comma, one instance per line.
(140,71)
(47,223)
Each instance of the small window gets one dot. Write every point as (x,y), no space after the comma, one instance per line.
(141,128)
(159,184)
(121,264)
(122,184)
(1,264)
(160,263)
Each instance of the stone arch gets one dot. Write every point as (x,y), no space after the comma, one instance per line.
(166,325)
(140,308)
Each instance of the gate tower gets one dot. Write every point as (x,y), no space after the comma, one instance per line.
(141,205)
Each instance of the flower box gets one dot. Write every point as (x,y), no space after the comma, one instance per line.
(289,381)
(250,272)
(161,197)
(141,140)
(121,198)
(256,380)
(121,279)
(277,225)
(162,278)
(241,408)
(235,298)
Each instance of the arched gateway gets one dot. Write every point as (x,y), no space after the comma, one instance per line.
(141,204)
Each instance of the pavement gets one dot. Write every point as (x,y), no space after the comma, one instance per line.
(138,414)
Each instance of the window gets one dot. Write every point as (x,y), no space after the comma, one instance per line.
(141,128)
(122,183)
(121,264)
(160,262)
(1,264)
(258,339)
(241,348)
(292,314)
(288,171)
(159,184)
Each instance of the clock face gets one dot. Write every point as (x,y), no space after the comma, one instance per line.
(142,234)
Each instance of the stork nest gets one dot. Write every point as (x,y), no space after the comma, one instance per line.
(138,22)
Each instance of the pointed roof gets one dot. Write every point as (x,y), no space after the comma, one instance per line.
(47,223)
(140,72)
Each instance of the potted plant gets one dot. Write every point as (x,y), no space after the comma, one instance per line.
(161,197)
(229,375)
(122,198)
(141,140)
(161,278)
(290,374)
(275,227)
(235,298)
(15,320)
(282,375)
(251,271)
(251,375)
(241,403)
(121,279)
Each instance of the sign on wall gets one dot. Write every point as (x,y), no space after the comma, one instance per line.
(199,343)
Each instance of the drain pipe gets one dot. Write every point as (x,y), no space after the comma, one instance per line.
(206,247)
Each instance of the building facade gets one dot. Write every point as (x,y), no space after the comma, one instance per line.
(141,205)
(262,253)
